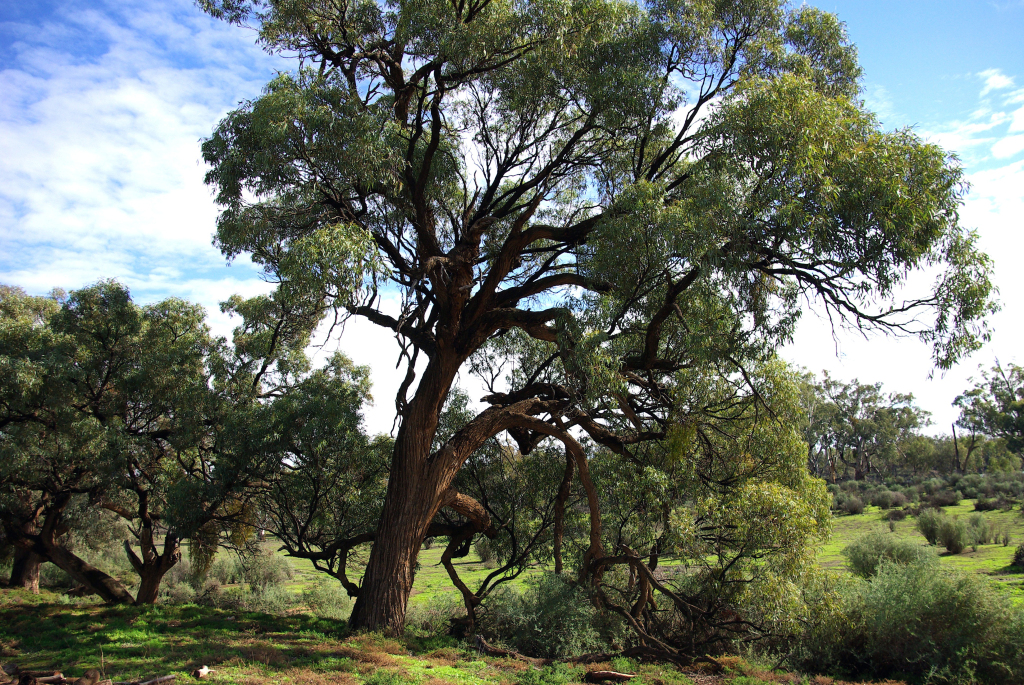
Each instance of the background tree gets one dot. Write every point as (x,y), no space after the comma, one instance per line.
(101,398)
(635,190)
(994,407)
(869,428)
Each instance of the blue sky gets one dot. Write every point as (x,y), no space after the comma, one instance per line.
(104,104)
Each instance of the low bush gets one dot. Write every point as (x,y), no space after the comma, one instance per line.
(983,504)
(928,522)
(434,617)
(853,505)
(883,499)
(979,531)
(945,498)
(556,674)
(920,624)
(867,552)
(551,618)
(1018,558)
(896,514)
(954,535)
(484,550)
(327,599)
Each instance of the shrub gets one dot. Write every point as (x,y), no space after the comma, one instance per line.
(979,530)
(953,535)
(484,550)
(896,514)
(327,599)
(883,499)
(262,571)
(853,505)
(383,676)
(225,571)
(928,522)
(434,617)
(179,593)
(274,599)
(1018,558)
(945,498)
(551,618)
(867,552)
(920,624)
(983,504)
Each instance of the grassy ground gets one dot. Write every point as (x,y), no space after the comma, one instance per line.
(134,643)
(128,643)
(991,560)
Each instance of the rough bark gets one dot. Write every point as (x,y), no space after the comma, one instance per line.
(387,582)
(25,571)
(45,544)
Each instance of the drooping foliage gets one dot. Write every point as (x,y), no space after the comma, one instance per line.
(616,193)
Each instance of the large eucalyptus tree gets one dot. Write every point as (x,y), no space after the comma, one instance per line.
(627,189)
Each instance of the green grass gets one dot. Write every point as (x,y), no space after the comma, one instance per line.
(132,643)
(991,560)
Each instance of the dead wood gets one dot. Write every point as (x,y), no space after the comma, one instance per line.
(154,681)
(608,676)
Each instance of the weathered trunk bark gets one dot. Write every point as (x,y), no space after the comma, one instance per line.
(25,571)
(152,567)
(45,544)
(108,588)
(152,571)
(387,582)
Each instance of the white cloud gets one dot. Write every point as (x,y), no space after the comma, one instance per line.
(994,80)
(994,206)
(1009,146)
(100,125)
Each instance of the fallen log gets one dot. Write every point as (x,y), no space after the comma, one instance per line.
(489,650)
(608,676)
(154,681)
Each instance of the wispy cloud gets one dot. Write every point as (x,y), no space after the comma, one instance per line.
(100,124)
(994,80)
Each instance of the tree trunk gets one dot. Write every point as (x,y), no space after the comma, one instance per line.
(409,507)
(108,588)
(149,587)
(45,544)
(152,567)
(25,571)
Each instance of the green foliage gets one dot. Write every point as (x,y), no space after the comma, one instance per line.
(979,532)
(929,521)
(919,623)
(995,407)
(383,676)
(1018,558)
(327,599)
(550,618)
(852,505)
(953,534)
(433,618)
(866,554)
(263,570)
(556,674)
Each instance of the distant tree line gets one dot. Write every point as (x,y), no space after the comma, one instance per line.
(857,430)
